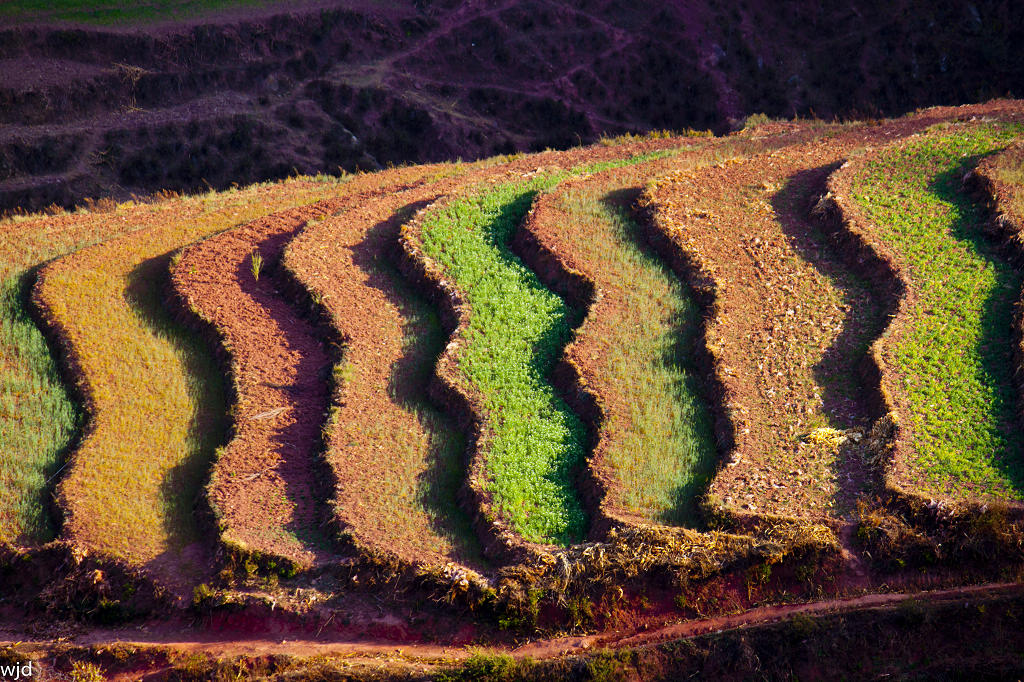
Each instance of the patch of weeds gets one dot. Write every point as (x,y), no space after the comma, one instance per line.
(83,671)
(486,666)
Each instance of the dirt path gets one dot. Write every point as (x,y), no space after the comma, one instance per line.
(228,642)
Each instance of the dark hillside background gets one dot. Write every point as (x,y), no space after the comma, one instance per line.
(89,112)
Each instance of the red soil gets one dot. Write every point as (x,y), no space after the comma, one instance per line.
(780,290)
(265,488)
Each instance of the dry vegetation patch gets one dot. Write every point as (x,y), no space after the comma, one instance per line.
(37,417)
(39,420)
(153,395)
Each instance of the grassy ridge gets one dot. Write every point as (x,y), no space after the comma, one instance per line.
(516,333)
(37,418)
(954,356)
(643,344)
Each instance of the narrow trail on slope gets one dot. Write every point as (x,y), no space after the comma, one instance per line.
(228,642)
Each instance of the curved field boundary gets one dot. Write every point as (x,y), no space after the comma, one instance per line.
(512,331)
(954,530)
(38,425)
(626,371)
(38,418)
(795,411)
(901,473)
(268,482)
(152,396)
(997,185)
(455,390)
(399,464)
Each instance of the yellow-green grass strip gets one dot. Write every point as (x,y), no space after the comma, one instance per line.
(953,358)
(37,418)
(156,395)
(666,454)
(517,330)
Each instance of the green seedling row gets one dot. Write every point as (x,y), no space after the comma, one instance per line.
(517,331)
(953,360)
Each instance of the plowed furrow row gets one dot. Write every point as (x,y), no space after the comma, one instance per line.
(269,482)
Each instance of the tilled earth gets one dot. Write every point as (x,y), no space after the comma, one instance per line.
(791,325)
(265,485)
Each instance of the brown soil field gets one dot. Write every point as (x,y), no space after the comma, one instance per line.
(266,490)
(798,410)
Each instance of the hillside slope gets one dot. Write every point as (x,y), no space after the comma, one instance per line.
(254,95)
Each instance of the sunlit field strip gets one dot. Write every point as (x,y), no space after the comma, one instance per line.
(37,418)
(660,449)
(155,392)
(516,333)
(952,358)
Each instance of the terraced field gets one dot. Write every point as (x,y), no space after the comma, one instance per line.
(604,391)
(947,362)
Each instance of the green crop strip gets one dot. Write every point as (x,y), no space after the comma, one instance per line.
(517,330)
(646,359)
(954,358)
(37,422)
